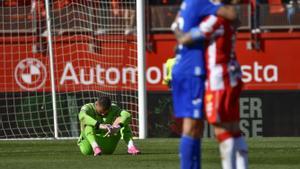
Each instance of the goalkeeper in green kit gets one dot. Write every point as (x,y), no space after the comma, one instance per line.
(102,125)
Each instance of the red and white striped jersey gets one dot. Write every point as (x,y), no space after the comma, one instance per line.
(221,64)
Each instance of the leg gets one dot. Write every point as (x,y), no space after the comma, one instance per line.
(222,111)
(108,144)
(126,134)
(125,131)
(226,133)
(190,143)
(90,135)
(233,147)
(187,96)
(85,147)
(242,153)
(192,127)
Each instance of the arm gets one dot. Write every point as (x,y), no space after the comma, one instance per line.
(183,38)
(180,23)
(227,12)
(187,21)
(216,8)
(86,119)
(120,115)
(125,117)
(204,31)
(121,121)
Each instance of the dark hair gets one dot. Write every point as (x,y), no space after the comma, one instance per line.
(105,102)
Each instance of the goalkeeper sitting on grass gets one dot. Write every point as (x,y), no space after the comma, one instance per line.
(102,125)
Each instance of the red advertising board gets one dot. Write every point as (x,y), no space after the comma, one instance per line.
(275,67)
(113,67)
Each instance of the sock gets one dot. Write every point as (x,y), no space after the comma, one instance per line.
(130,144)
(197,154)
(241,153)
(94,145)
(189,153)
(227,150)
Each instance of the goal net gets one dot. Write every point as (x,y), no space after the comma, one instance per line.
(94,50)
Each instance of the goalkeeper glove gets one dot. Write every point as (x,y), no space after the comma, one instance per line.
(197,34)
(169,65)
(115,129)
(106,127)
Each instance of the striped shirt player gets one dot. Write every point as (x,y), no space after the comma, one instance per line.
(223,84)
(222,88)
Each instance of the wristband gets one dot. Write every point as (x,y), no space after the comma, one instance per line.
(196,34)
(97,124)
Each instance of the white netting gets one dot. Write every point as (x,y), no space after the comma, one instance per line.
(92,57)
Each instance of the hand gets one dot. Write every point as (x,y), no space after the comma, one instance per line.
(106,127)
(234,69)
(174,26)
(115,129)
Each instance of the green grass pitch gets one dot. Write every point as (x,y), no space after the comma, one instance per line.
(265,153)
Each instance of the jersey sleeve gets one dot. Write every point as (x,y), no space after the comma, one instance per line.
(85,117)
(210,24)
(192,13)
(125,115)
(209,8)
(188,17)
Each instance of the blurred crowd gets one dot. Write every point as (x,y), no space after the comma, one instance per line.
(117,9)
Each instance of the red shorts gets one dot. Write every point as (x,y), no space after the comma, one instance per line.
(223,105)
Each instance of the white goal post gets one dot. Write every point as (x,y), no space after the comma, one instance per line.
(140,13)
(58,55)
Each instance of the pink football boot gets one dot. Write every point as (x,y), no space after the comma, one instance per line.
(133,150)
(97,151)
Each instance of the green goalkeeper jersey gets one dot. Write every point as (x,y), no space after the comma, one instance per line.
(89,116)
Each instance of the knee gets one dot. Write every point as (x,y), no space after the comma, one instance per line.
(232,127)
(85,149)
(193,128)
(128,119)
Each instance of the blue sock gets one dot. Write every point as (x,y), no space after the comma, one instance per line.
(189,153)
(197,154)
